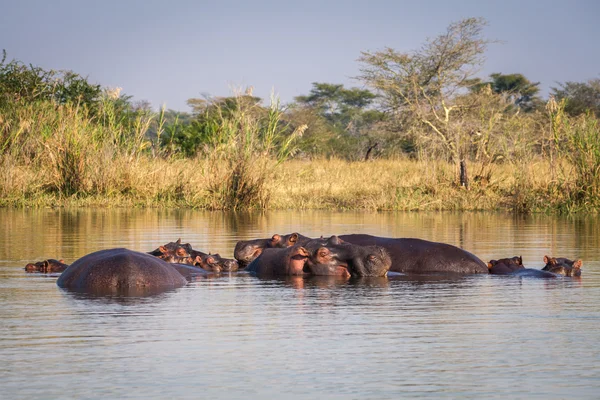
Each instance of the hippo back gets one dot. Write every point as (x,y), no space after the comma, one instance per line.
(418,256)
(120,269)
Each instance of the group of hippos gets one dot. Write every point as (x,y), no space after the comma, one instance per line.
(174,264)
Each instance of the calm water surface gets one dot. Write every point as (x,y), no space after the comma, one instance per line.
(237,336)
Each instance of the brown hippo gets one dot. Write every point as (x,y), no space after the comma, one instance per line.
(514,267)
(248,250)
(215,263)
(172,252)
(178,253)
(418,256)
(280,261)
(48,266)
(505,266)
(330,257)
(562,266)
(333,256)
(120,269)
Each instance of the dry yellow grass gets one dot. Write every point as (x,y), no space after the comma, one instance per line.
(321,184)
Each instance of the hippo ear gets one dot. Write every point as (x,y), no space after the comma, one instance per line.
(546,259)
(293,237)
(178,242)
(181,252)
(578,264)
(276,238)
(490,265)
(163,249)
(210,260)
(299,251)
(334,240)
(61,261)
(520,260)
(197,261)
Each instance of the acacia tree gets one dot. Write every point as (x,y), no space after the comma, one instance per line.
(426,83)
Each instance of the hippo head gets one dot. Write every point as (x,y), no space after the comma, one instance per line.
(505,266)
(297,258)
(216,263)
(336,257)
(173,252)
(247,251)
(563,266)
(47,266)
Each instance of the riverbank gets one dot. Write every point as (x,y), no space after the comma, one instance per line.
(400,184)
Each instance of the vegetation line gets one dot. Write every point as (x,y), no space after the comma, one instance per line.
(425,133)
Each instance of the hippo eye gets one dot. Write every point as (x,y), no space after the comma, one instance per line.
(323,252)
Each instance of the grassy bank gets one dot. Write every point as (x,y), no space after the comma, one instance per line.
(320,184)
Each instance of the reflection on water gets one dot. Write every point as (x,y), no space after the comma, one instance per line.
(239,336)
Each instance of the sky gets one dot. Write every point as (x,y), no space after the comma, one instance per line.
(166,52)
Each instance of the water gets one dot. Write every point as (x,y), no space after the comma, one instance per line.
(238,336)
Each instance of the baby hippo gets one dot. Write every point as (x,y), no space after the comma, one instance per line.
(562,266)
(48,266)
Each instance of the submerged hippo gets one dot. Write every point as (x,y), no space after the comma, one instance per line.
(248,250)
(280,261)
(178,253)
(330,257)
(173,252)
(418,256)
(505,266)
(116,269)
(48,266)
(408,255)
(562,266)
(514,267)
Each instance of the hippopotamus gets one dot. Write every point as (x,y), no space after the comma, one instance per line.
(173,252)
(562,266)
(248,250)
(514,267)
(280,261)
(408,255)
(211,262)
(178,253)
(48,266)
(333,256)
(418,256)
(120,269)
(505,266)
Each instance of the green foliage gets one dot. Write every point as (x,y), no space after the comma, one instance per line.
(19,82)
(519,89)
(340,121)
(581,97)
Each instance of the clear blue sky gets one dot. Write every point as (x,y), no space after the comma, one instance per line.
(169,51)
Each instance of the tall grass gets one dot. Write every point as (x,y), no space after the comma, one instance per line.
(248,145)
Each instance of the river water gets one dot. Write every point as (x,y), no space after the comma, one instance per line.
(237,336)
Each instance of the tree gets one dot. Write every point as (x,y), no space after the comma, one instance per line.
(580,96)
(426,82)
(339,105)
(520,90)
(340,119)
